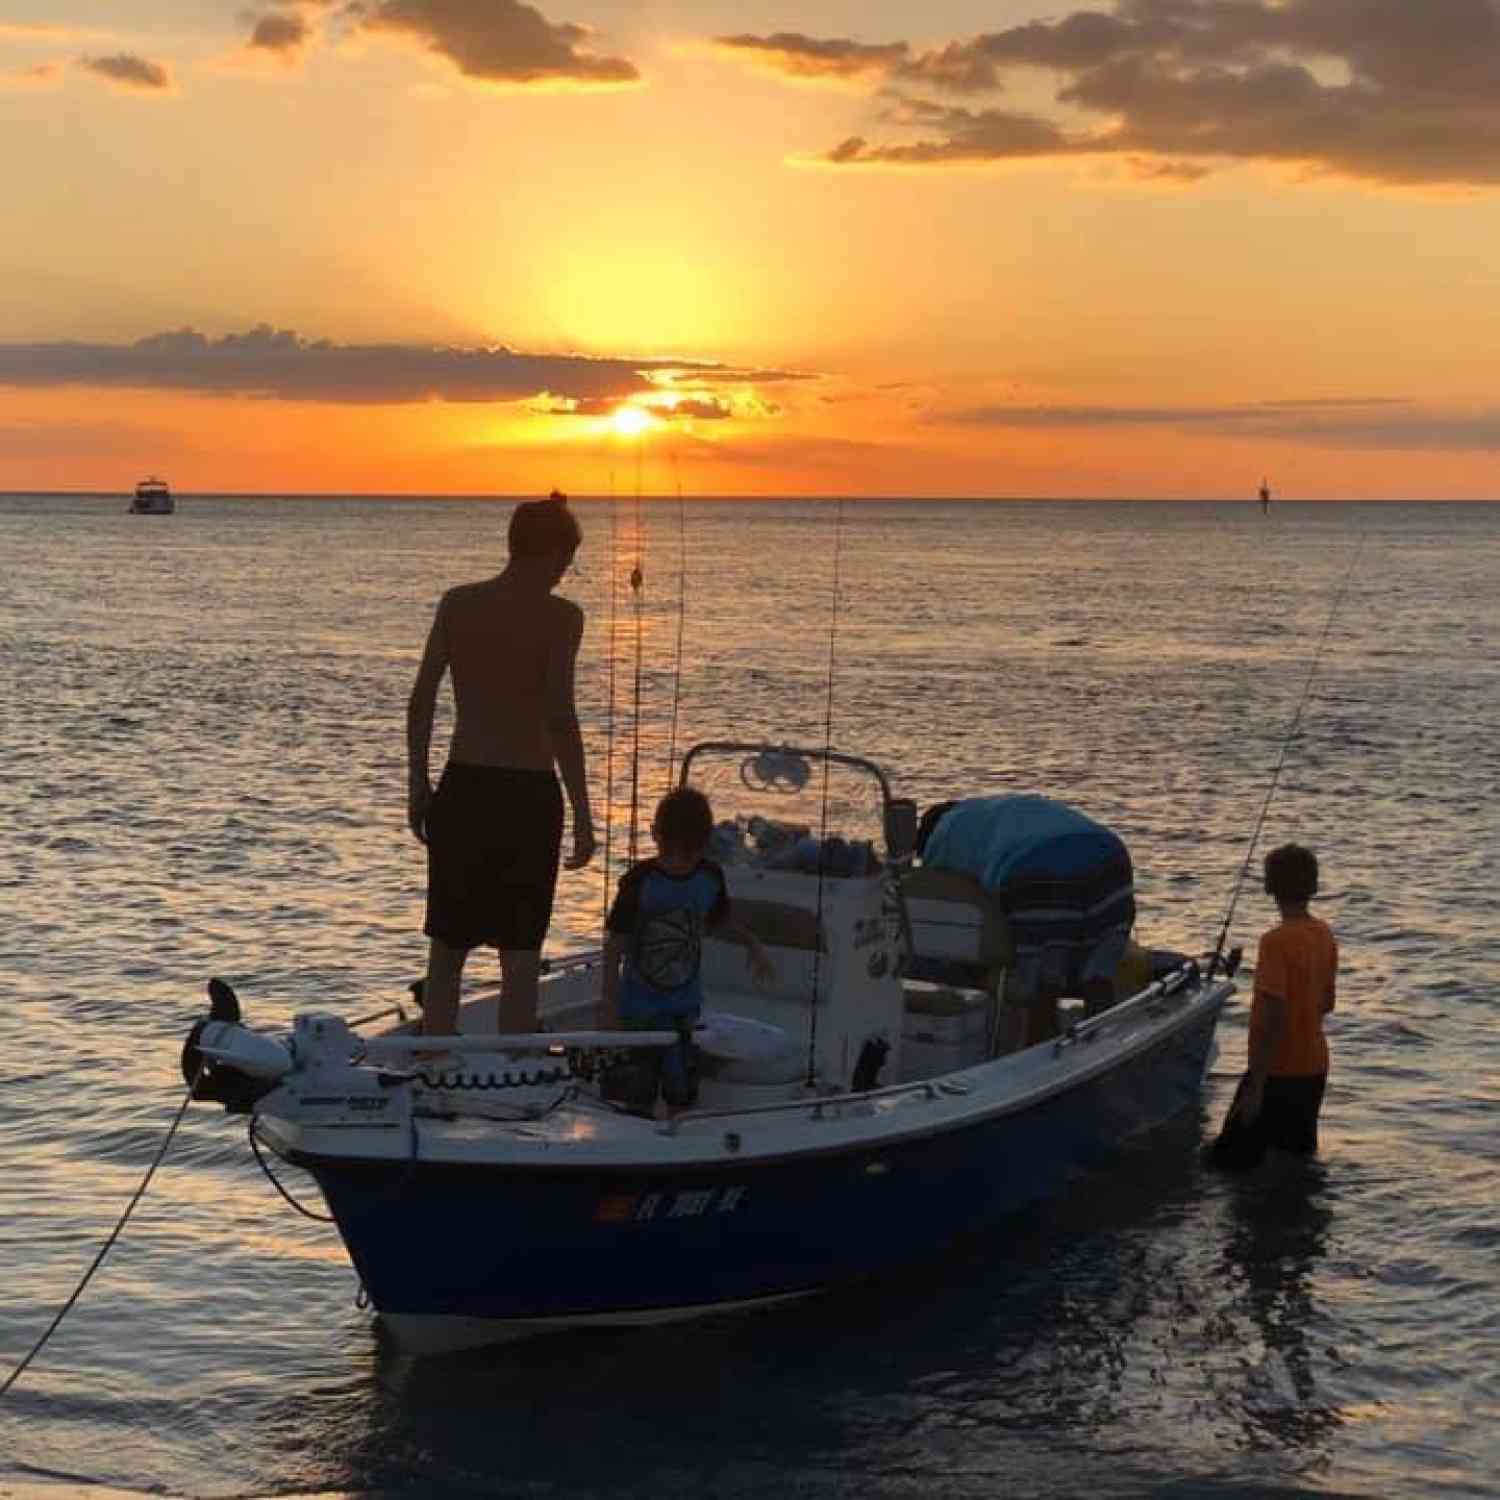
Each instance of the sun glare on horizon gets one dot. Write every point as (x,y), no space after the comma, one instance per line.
(631,421)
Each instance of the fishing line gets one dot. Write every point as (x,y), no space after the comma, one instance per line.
(108,1244)
(609,734)
(1286,745)
(681,616)
(833,628)
(637,580)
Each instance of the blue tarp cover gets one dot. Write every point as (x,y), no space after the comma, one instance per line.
(1063,882)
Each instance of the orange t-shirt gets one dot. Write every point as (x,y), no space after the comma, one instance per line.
(1298,961)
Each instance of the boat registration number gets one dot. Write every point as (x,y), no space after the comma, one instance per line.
(663,1207)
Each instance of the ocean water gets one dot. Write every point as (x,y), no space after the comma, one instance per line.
(201,772)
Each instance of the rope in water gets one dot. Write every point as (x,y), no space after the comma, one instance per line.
(108,1244)
(275,1181)
(1286,745)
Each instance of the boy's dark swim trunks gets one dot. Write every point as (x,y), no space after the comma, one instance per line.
(1288,1120)
(494,834)
(645,1072)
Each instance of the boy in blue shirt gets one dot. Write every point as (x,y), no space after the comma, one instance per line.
(653,950)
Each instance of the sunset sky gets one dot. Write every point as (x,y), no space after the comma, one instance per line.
(1156,248)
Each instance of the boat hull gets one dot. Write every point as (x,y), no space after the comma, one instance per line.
(151,498)
(462,1253)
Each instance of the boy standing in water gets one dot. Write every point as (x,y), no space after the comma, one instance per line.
(655,931)
(493,828)
(1296,971)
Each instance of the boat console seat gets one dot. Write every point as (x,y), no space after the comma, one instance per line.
(778,924)
(745,1040)
(790,935)
(736,1049)
(959,938)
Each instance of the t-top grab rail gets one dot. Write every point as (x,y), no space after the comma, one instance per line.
(898,815)
(929,1088)
(394,1048)
(761,747)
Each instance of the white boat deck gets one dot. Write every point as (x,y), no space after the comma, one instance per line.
(582,1131)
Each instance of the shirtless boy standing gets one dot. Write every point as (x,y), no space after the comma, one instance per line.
(493,828)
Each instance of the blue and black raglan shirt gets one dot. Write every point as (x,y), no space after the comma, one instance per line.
(662,920)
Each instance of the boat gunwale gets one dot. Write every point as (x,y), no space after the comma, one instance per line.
(531,1157)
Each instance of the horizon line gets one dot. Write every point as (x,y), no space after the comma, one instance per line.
(657,495)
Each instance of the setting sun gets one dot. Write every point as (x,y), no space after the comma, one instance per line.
(631,421)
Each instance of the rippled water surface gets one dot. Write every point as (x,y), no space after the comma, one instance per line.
(202,754)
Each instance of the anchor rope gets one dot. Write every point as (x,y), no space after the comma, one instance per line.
(109,1241)
(276,1182)
(393,1191)
(833,626)
(1286,745)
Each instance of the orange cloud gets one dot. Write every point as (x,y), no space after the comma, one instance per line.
(38,76)
(284,33)
(496,41)
(127,71)
(278,363)
(1391,94)
(799,56)
(1388,423)
(702,409)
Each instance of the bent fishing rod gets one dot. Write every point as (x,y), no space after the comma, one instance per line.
(1286,745)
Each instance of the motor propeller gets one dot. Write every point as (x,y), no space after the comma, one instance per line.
(223,1003)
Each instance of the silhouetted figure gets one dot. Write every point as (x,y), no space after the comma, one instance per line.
(493,828)
(1278,1100)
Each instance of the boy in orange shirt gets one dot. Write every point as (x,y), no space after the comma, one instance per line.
(1296,971)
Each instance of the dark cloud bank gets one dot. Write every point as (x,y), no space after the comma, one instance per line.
(126,70)
(284,33)
(277,363)
(1400,92)
(1386,423)
(493,41)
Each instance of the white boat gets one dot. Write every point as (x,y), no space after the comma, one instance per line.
(851,1119)
(152,498)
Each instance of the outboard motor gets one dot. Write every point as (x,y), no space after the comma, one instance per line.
(226,1062)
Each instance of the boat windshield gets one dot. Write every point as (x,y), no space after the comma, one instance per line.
(769,802)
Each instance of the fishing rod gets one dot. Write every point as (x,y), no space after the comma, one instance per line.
(1286,745)
(609,740)
(637,582)
(833,627)
(681,616)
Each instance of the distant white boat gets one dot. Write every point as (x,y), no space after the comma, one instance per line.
(152,498)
